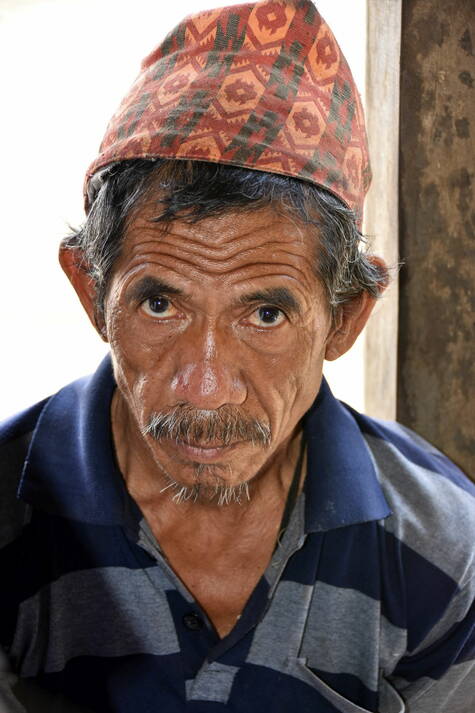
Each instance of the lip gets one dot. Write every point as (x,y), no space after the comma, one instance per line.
(206,454)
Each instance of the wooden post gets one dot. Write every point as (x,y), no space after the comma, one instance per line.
(436,358)
(381,210)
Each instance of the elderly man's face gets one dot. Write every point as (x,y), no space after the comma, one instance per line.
(226,314)
(218,333)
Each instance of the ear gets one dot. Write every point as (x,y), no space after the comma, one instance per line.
(350,319)
(72,262)
(352,316)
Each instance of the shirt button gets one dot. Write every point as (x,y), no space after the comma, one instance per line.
(193,621)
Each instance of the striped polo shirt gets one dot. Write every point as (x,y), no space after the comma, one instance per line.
(366,605)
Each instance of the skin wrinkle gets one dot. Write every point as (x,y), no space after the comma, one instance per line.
(256,267)
(185,248)
(229,249)
(223,259)
(227,238)
(224,265)
(141,257)
(223,271)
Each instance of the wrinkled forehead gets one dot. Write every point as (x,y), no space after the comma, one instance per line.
(236,245)
(226,230)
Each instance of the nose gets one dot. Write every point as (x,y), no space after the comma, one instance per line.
(208,373)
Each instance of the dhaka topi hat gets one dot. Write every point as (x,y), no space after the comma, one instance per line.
(262,85)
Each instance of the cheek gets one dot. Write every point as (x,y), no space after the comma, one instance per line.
(137,362)
(287,383)
(140,348)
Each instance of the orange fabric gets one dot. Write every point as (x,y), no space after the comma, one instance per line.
(262,85)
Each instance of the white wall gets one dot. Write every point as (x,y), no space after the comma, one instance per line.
(66,65)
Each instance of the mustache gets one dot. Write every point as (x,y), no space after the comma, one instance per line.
(226,425)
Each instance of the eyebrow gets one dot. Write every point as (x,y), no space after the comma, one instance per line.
(276,296)
(151,287)
(280,297)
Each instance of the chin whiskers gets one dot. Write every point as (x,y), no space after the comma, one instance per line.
(217,492)
(227,494)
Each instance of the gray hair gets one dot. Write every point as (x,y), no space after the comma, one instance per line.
(192,190)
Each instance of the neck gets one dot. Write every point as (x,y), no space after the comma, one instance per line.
(219,553)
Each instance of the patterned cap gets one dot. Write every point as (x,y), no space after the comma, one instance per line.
(262,85)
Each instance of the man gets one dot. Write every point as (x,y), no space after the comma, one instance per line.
(200,525)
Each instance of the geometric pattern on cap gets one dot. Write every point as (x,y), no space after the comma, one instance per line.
(262,85)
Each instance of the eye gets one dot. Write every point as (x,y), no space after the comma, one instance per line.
(159,307)
(267,316)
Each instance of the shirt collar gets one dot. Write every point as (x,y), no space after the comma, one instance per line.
(341,486)
(71,470)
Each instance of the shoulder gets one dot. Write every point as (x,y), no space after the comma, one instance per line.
(20,424)
(432,500)
(427,547)
(15,437)
(412,471)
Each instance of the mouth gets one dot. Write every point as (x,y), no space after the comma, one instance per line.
(205,453)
